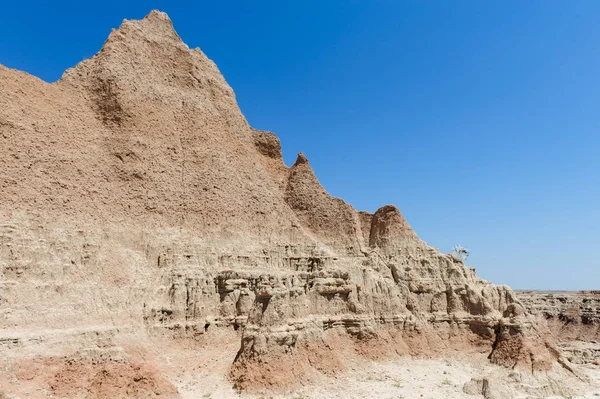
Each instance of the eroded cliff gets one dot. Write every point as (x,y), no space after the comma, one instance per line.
(136,199)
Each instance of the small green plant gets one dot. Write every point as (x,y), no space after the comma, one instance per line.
(398,383)
(446,382)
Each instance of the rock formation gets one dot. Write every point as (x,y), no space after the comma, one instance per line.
(573,319)
(137,199)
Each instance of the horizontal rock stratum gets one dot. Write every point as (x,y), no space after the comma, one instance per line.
(136,199)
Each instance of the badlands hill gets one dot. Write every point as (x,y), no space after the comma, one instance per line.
(138,206)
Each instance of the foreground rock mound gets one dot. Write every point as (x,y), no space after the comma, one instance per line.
(137,199)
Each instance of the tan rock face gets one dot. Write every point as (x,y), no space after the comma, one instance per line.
(573,319)
(331,220)
(389,230)
(570,312)
(136,197)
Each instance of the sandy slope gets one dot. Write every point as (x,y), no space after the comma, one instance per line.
(402,377)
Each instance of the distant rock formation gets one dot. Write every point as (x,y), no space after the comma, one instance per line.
(573,318)
(135,197)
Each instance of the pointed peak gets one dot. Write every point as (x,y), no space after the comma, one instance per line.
(158,16)
(146,59)
(160,21)
(155,27)
(390,229)
(301,160)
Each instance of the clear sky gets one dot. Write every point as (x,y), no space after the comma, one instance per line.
(478,119)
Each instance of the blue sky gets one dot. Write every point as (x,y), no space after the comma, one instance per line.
(478,119)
